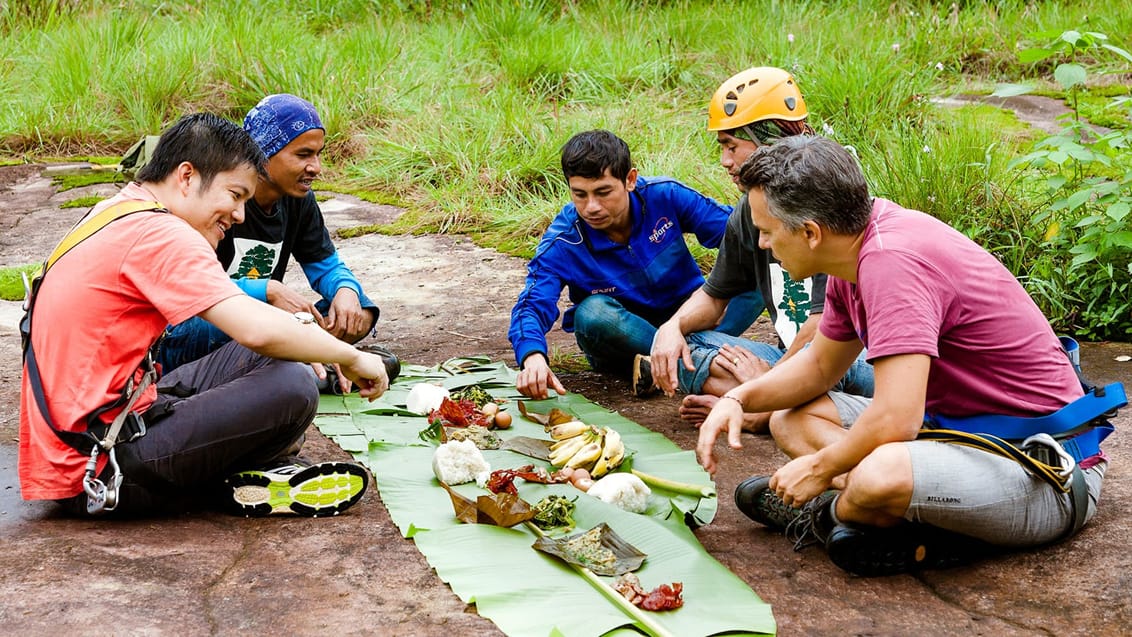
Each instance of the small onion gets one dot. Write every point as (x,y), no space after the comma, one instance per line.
(503,420)
(581,480)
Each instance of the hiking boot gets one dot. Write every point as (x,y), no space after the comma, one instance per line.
(814,522)
(643,384)
(755,499)
(392,363)
(874,551)
(316,491)
(392,369)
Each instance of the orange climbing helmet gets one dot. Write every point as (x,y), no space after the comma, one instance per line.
(754,95)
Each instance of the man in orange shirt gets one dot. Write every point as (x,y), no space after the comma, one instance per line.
(209,423)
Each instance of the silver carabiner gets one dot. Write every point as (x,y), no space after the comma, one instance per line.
(1067,462)
(101,497)
(27,291)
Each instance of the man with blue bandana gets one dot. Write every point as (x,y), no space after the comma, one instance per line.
(283,220)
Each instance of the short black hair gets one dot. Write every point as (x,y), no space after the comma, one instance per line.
(591,153)
(210,143)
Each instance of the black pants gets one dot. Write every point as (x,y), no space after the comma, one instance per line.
(229,411)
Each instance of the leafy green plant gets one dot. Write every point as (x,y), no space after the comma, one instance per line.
(1087,175)
(567,362)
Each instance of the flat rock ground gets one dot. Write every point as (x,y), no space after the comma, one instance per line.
(206,573)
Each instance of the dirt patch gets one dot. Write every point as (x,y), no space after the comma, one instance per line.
(441,296)
(1043,113)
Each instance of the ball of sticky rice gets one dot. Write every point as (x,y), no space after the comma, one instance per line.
(424,397)
(623,490)
(459,461)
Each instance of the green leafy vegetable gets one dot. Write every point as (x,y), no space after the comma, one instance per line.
(555,512)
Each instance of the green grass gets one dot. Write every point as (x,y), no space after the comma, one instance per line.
(82,202)
(457,110)
(69,182)
(12,284)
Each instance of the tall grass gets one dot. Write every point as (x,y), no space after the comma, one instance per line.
(458,109)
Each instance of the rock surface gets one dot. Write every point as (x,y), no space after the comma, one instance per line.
(209,574)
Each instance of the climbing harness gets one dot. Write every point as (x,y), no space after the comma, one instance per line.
(1049,447)
(127,425)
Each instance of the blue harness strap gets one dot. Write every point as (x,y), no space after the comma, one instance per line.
(1079,426)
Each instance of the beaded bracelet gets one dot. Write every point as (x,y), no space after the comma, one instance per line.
(735,399)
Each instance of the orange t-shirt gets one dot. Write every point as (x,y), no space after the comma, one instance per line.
(96,313)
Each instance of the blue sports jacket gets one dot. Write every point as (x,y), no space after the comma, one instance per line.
(654,273)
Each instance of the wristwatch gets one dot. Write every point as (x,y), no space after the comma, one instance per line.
(304,317)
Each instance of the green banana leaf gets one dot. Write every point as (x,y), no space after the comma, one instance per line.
(651,452)
(524,591)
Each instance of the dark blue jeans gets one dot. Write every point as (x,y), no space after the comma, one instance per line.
(229,411)
(189,341)
(610,335)
(704,347)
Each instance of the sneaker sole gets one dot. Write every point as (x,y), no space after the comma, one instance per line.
(873,554)
(318,491)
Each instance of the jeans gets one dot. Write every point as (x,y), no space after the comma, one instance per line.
(610,335)
(230,411)
(705,346)
(189,341)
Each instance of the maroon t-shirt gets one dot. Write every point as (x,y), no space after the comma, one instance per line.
(924,288)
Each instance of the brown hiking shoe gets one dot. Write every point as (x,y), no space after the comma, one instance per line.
(643,384)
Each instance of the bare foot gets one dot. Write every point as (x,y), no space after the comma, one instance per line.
(757,423)
(696,407)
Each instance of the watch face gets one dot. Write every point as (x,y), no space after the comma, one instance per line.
(304,317)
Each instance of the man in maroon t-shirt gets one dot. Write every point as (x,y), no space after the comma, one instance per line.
(949,332)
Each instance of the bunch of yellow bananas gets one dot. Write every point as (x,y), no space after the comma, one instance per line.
(581,446)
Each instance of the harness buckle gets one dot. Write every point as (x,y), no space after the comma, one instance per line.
(101,497)
(134,428)
(1066,463)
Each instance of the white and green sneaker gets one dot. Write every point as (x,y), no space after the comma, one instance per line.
(316,491)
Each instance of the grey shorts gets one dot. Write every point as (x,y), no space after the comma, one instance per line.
(849,406)
(990,497)
(979,493)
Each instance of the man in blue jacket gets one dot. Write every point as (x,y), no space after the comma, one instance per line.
(282,220)
(619,249)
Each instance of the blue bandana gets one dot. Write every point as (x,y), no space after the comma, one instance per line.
(279,119)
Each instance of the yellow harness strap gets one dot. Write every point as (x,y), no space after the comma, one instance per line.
(95,223)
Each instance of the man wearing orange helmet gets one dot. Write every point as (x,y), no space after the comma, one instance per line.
(749,110)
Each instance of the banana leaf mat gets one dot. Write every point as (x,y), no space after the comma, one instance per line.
(524,591)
